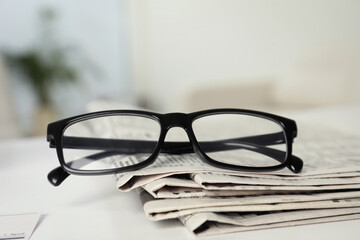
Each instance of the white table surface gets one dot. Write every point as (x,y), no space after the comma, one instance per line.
(92,207)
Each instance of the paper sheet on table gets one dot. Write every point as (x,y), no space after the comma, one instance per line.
(18,226)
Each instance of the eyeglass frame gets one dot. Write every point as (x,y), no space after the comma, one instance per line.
(167,121)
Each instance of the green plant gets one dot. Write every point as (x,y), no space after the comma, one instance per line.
(45,64)
(41,73)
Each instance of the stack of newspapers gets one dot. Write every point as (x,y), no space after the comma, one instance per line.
(210,201)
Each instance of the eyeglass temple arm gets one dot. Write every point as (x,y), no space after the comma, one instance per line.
(57,175)
(144,146)
(185,147)
(128,146)
(295,164)
(213,146)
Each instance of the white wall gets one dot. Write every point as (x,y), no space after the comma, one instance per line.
(182,44)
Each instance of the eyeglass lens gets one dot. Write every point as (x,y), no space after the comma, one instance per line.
(109,142)
(241,140)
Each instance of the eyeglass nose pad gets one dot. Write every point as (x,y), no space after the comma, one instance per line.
(295,164)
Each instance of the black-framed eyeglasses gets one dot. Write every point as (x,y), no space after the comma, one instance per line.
(117,141)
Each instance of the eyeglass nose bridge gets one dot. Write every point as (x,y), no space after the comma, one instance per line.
(175,120)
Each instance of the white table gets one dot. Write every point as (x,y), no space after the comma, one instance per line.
(92,208)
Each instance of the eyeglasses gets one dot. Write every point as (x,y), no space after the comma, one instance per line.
(117,141)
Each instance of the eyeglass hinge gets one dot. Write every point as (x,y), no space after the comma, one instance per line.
(294,134)
(51,140)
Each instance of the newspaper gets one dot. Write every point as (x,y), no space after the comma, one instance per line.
(165,165)
(161,209)
(175,187)
(208,223)
(331,160)
(226,182)
(216,202)
(214,184)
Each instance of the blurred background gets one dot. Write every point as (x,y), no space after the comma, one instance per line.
(182,55)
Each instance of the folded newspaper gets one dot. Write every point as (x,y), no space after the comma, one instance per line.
(210,201)
(215,201)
